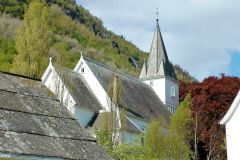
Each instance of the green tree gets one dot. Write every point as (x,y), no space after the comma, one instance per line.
(181,122)
(104,134)
(129,151)
(155,140)
(181,131)
(7,50)
(108,134)
(33,41)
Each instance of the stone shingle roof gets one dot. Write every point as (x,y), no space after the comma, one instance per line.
(78,88)
(33,122)
(138,97)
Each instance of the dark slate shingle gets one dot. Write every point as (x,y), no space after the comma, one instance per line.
(33,122)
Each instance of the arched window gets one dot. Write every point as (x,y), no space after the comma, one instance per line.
(173,92)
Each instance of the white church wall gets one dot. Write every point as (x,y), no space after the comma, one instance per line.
(167,90)
(232,136)
(56,85)
(83,69)
(158,86)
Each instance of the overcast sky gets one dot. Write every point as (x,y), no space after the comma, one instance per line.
(202,36)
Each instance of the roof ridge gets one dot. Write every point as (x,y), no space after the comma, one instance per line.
(19,75)
(36,114)
(31,95)
(44,135)
(36,155)
(118,72)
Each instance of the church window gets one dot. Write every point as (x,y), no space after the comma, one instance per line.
(82,70)
(151,83)
(173,92)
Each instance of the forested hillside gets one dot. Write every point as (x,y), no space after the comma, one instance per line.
(73,29)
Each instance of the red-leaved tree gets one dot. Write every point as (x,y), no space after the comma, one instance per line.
(210,101)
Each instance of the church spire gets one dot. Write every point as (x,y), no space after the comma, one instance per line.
(158,63)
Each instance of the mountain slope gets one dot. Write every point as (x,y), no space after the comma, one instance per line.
(74,29)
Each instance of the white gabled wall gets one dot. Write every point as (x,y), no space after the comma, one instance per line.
(52,80)
(83,69)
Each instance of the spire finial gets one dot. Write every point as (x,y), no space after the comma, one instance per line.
(50,60)
(157,13)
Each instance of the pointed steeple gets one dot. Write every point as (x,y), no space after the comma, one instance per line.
(158,63)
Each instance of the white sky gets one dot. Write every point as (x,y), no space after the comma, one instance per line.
(200,35)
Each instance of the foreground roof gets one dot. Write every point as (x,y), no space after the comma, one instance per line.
(33,122)
(138,97)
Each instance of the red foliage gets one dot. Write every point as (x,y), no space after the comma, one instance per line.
(210,101)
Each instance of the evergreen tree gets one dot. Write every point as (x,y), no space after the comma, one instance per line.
(33,41)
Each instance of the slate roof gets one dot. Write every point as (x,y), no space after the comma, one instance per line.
(78,88)
(138,97)
(158,63)
(33,122)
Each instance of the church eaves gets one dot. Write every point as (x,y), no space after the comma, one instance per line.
(158,63)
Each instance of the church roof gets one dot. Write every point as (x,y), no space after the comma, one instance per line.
(158,63)
(34,123)
(78,88)
(138,98)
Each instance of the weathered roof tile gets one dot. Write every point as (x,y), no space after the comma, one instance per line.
(33,122)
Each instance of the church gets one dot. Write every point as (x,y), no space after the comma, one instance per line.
(92,89)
